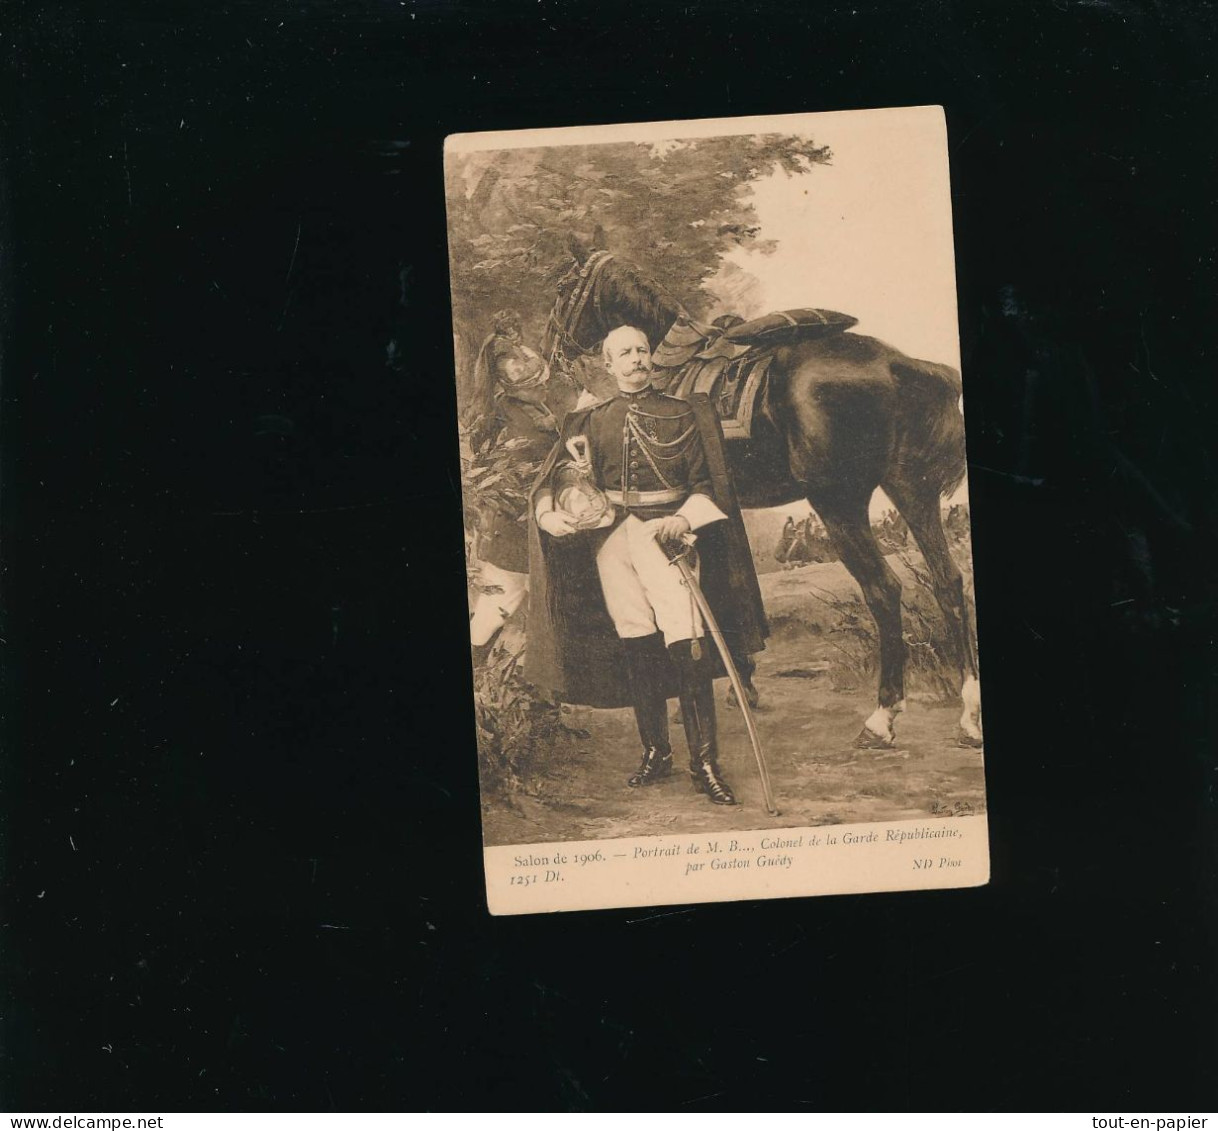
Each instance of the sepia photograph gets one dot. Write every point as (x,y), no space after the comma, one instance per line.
(714,479)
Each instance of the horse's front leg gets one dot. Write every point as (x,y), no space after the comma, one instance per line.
(921,510)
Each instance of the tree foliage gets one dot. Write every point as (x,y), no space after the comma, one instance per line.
(494,477)
(521,733)
(675,208)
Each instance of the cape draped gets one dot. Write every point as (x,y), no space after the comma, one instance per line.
(572,652)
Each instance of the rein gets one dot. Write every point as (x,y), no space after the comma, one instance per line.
(573,310)
(567,312)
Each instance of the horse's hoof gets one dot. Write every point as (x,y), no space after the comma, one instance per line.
(972,742)
(751,695)
(869,740)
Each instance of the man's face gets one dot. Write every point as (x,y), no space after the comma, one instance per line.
(628,358)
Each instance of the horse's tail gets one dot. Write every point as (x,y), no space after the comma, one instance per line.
(932,440)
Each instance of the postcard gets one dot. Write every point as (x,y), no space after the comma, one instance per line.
(716,510)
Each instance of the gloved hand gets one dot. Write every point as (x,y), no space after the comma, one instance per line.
(669,529)
(558,524)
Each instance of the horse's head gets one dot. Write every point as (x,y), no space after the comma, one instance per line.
(582,246)
(598,293)
(555,333)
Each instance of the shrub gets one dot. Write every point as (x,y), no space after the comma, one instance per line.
(520,732)
(851,632)
(494,477)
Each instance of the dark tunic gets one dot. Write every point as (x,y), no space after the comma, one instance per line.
(573,652)
(669,456)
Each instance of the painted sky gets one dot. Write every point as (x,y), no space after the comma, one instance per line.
(869,235)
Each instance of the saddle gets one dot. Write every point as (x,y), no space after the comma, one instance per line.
(728,360)
(731,384)
(786,326)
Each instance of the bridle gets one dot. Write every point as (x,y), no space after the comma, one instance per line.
(568,311)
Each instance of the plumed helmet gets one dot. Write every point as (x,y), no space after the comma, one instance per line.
(576,494)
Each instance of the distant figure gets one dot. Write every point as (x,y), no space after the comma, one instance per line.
(893,531)
(957,523)
(814,540)
(785,541)
(799,554)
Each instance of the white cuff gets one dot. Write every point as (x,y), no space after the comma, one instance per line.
(545,504)
(699,511)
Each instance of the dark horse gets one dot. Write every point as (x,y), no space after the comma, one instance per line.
(839,416)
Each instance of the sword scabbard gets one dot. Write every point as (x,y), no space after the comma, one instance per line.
(729,664)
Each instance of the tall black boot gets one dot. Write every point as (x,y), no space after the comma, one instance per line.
(644,655)
(698,713)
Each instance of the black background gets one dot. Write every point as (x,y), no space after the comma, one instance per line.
(241,837)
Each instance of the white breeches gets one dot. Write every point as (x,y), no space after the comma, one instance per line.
(643,590)
(491,610)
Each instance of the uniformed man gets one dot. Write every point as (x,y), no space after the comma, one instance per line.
(659,464)
(785,541)
(508,403)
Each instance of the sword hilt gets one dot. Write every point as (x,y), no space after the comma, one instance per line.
(686,546)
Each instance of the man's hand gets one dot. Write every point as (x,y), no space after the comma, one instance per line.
(669,529)
(558,524)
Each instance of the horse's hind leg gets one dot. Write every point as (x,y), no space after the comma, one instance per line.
(921,511)
(745,667)
(850,531)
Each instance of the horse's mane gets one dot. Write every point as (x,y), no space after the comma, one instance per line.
(621,295)
(626,295)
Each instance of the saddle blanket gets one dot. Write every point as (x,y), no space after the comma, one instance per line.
(732,384)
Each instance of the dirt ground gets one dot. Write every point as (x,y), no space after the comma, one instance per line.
(812,707)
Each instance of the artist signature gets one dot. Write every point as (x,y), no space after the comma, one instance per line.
(953,809)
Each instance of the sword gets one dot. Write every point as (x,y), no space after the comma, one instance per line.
(691,582)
